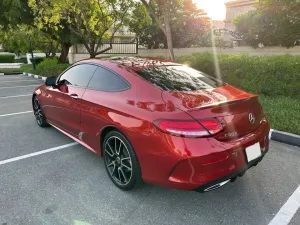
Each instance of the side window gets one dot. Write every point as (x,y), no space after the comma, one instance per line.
(79,75)
(104,80)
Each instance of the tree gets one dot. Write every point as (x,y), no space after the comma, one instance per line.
(189,26)
(13,42)
(92,21)
(141,24)
(16,39)
(161,10)
(14,13)
(145,27)
(273,22)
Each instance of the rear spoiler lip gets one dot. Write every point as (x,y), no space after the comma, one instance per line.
(223,103)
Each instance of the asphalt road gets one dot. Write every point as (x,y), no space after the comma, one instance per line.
(70,186)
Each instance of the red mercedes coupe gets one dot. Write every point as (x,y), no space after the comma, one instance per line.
(156,121)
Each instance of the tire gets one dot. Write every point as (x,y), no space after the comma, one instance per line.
(39,113)
(120,161)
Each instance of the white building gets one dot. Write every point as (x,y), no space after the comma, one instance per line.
(236,8)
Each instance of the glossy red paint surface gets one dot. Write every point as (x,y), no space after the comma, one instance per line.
(167,160)
(61,108)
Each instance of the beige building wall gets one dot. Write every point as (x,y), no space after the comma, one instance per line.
(218,24)
(236,8)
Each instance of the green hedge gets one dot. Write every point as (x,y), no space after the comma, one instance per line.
(47,68)
(50,67)
(37,60)
(7,58)
(268,75)
(22,60)
(52,70)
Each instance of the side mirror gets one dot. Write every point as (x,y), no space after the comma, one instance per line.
(51,81)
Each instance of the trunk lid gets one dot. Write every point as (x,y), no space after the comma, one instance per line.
(239,112)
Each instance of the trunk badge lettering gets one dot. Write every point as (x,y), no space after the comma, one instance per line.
(230,135)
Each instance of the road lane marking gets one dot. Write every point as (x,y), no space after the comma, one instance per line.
(14,80)
(15,96)
(13,77)
(12,114)
(37,153)
(35,85)
(288,210)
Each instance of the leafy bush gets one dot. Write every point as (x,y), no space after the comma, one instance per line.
(47,71)
(7,58)
(50,67)
(268,75)
(47,63)
(37,60)
(56,70)
(21,60)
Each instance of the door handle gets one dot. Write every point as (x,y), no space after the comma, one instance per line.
(74,96)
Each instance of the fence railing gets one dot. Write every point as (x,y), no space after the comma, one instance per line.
(118,47)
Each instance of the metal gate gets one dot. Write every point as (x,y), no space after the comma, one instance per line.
(121,47)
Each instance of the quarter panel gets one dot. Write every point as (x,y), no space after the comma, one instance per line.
(131,111)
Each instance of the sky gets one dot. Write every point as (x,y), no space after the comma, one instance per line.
(214,8)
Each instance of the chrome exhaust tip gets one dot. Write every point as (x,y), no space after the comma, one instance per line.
(216,186)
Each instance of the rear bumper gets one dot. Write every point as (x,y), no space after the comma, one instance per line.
(232,176)
(195,164)
(204,171)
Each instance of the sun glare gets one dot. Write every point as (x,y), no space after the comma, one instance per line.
(214,8)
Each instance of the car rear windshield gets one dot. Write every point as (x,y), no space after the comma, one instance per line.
(179,78)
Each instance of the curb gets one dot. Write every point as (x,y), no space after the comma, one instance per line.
(35,76)
(275,135)
(284,137)
(10,73)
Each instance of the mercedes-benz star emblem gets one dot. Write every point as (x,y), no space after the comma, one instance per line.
(251,118)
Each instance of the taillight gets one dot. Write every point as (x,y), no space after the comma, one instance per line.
(189,128)
(212,126)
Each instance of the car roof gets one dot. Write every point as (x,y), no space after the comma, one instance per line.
(136,63)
